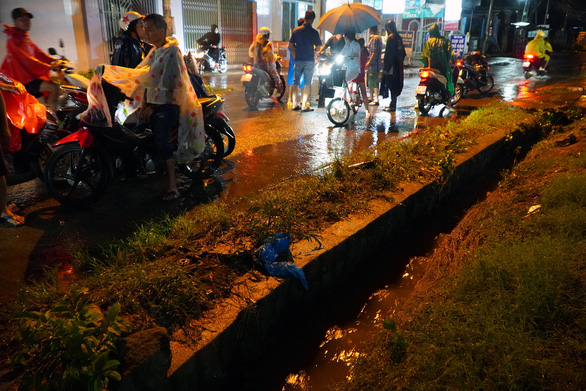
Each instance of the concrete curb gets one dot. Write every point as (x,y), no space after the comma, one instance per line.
(259,339)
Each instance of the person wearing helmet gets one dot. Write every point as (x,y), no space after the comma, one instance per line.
(263,56)
(210,42)
(27,63)
(129,48)
(540,48)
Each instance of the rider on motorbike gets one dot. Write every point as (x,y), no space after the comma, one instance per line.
(129,47)
(210,42)
(263,56)
(540,48)
(437,53)
(27,63)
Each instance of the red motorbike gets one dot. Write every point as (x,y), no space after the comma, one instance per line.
(33,128)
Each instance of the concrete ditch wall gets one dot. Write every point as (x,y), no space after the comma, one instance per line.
(275,331)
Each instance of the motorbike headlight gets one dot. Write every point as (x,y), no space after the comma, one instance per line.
(340,59)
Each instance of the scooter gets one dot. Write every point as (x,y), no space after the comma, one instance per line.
(207,62)
(324,70)
(432,90)
(87,161)
(258,84)
(473,71)
(33,129)
(532,65)
(221,122)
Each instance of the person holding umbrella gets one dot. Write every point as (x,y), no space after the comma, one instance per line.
(393,68)
(304,40)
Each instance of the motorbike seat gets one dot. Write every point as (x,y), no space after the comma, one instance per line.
(438,75)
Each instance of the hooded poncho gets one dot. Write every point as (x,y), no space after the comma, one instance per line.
(24,61)
(161,78)
(439,51)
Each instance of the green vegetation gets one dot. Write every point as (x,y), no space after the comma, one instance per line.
(69,347)
(172,270)
(505,303)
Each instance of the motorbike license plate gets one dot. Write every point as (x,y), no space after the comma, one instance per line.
(526,64)
(421,90)
(247,77)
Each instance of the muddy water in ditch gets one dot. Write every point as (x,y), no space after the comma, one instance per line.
(344,342)
(329,363)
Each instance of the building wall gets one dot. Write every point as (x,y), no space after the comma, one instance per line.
(52,20)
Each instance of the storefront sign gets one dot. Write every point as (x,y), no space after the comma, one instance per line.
(458,44)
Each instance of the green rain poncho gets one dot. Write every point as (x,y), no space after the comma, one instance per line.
(439,51)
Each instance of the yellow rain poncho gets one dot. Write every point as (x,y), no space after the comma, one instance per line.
(538,45)
(161,78)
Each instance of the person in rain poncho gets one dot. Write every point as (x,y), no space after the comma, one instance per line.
(393,66)
(437,53)
(540,48)
(263,56)
(160,88)
(351,54)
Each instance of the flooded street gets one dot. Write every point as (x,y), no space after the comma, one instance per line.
(272,144)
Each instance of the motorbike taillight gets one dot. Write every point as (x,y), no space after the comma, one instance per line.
(223,116)
(247,68)
(459,63)
(529,56)
(424,74)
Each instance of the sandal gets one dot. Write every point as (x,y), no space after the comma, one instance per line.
(307,109)
(171,195)
(11,221)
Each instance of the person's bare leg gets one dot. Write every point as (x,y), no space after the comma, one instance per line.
(4,211)
(171,178)
(362,88)
(305,96)
(294,90)
(53,90)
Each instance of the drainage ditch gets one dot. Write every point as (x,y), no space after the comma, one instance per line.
(281,332)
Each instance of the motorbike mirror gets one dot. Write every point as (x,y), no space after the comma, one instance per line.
(52,51)
(61,45)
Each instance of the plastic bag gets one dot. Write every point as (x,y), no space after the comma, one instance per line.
(271,250)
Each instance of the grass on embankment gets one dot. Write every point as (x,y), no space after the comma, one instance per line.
(503,302)
(170,271)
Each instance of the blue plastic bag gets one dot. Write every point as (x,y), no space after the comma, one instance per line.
(269,252)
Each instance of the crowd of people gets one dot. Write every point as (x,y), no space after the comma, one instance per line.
(159,75)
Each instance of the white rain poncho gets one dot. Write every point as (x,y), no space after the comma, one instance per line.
(161,78)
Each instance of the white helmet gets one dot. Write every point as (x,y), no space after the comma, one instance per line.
(265,31)
(128,18)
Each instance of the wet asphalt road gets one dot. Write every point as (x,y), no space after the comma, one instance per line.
(273,143)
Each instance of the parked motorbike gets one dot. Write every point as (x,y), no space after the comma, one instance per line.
(324,69)
(33,129)
(73,97)
(258,84)
(432,90)
(473,70)
(532,65)
(206,62)
(221,122)
(87,161)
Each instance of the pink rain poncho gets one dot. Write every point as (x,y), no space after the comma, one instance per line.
(161,78)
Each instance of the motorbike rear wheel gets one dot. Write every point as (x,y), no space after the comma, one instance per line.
(76,176)
(210,159)
(527,74)
(458,93)
(338,111)
(424,103)
(251,95)
(485,84)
